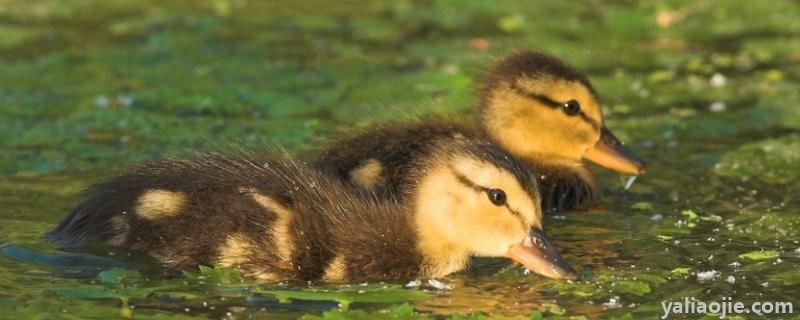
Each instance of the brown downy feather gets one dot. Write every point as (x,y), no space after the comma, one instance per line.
(396,147)
(564,187)
(328,220)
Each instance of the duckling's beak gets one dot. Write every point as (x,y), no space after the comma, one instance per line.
(611,153)
(539,255)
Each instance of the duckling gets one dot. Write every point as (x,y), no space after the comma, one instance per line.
(281,220)
(534,106)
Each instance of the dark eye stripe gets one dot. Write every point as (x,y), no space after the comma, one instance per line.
(538,97)
(465,181)
(517,214)
(595,125)
(545,100)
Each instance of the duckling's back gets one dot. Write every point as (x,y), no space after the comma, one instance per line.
(275,220)
(381,158)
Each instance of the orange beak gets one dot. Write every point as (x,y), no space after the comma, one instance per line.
(609,152)
(539,255)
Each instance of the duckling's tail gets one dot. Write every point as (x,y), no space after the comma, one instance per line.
(92,220)
(78,228)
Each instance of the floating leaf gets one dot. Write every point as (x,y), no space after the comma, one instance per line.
(759,255)
(553,308)
(680,271)
(217,275)
(691,215)
(711,218)
(642,206)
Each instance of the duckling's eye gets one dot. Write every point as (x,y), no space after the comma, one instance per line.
(496,196)
(571,107)
(539,243)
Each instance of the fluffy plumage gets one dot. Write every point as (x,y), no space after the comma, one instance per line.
(277,219)
(328,219)
(524,64)
(397,147)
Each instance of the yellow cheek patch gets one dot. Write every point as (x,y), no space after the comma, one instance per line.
(157,204)
(336,270)
(369,174)
(440,240)
(281,232)
(120,228)
(236,250)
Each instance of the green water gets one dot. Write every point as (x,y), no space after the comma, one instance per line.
(707,92)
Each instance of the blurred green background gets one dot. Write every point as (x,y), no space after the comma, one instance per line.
(705,91)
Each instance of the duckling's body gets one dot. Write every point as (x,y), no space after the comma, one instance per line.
(380,159)
(273,220)
(280,220)
(532,105)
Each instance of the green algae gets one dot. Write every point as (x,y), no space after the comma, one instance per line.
(774,161)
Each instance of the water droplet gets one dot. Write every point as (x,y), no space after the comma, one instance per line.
(413,284)
(707,275)
(717,80)
(718,106)
(101,101)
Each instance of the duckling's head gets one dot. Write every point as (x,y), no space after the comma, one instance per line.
(474,199)
(539,108)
